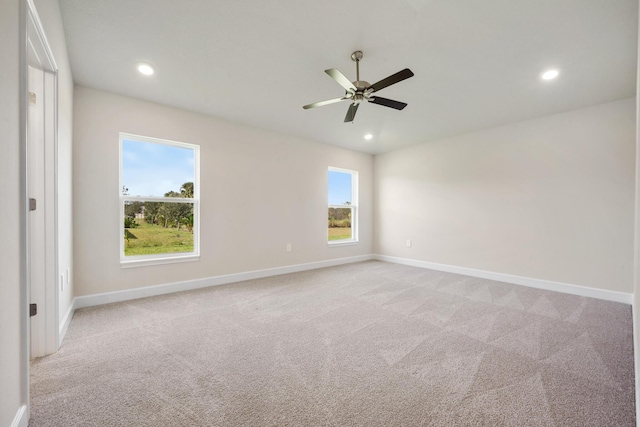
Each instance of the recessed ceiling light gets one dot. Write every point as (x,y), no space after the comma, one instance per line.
(145,68)
(368,136)
(550,74)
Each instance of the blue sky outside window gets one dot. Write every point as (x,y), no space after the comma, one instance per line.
(150,169)
(339,188)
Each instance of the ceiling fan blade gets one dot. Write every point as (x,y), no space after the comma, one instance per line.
(392,79)
(387,102)
(351,113)
(341,79)
(327,102)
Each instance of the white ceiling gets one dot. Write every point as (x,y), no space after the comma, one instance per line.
(477,64)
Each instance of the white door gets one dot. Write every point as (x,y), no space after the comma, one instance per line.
(36,224)
(41,185)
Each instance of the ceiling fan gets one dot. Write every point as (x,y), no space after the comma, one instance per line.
(359,91)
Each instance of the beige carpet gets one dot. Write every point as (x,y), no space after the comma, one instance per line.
(366,344)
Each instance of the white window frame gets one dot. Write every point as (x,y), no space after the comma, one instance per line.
(353,206)
(156,259)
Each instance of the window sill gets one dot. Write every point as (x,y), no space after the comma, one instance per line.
(143,262)
(342,243)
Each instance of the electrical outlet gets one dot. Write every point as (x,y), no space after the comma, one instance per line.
(288,247)
(408,243)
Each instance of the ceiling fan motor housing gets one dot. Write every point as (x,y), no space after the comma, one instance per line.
(361,94)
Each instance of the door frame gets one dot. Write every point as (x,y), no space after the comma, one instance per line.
(41,183)
(34,42)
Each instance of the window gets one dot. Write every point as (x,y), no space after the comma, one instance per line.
(159,201)
(343,206)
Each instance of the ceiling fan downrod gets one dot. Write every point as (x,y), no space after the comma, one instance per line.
(357,56)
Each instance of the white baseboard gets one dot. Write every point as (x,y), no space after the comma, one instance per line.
(129,294)
(66,320)
(21,419)
(566,288)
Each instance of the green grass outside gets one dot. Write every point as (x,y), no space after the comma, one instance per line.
(339,233)
(150,239)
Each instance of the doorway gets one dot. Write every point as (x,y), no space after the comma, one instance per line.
(41,182)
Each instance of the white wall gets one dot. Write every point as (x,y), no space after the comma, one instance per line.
(259,191)
(11,393)
(550,198)
(49,12)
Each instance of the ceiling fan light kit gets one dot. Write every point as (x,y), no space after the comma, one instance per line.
(360,90)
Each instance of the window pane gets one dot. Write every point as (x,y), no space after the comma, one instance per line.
(151,169)
(339,223)
(157,228)
(339,188)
